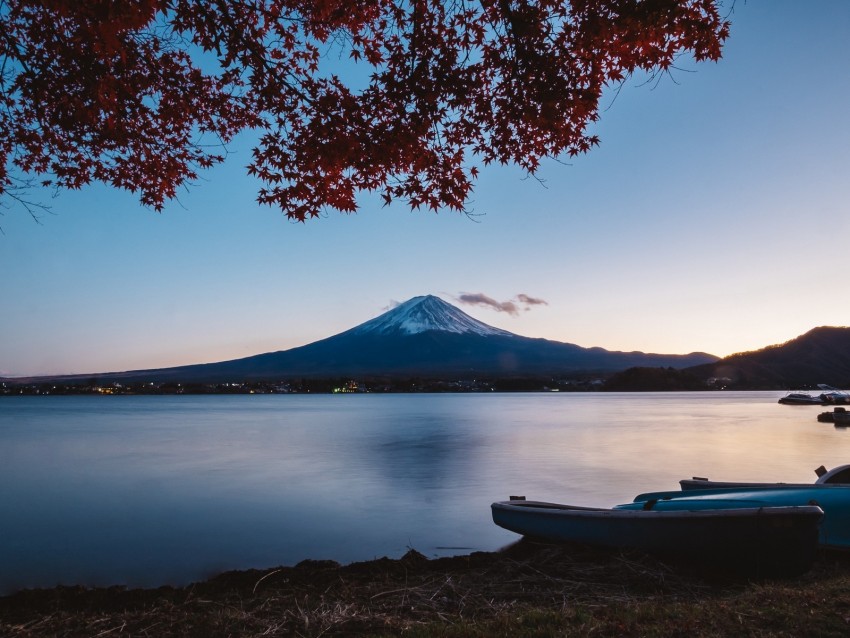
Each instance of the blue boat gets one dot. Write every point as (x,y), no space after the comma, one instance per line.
(836,476)
(834,500)
(743,537)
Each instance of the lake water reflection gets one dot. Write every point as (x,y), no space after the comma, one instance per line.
(145,491)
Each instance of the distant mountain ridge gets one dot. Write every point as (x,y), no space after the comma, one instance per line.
(422,337)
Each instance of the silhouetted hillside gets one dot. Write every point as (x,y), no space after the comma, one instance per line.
(822,355)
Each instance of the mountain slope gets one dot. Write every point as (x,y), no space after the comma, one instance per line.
(821,355)
(424,337)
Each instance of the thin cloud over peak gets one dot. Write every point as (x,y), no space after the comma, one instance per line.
(511,306)
(531,301)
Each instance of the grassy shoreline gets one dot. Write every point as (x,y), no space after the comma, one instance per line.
(528,589)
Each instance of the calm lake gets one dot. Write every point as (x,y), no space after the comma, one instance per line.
(154,490)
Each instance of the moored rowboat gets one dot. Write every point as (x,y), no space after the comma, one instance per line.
(836,476)
(838,416)
(752,538)
(834,500)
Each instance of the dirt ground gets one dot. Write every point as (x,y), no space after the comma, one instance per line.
(464,595)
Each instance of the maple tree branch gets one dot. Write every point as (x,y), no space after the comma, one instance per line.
(123,93)
(15,190)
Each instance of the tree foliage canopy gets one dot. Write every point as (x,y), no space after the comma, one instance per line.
(142,94)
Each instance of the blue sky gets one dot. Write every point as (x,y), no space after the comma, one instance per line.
(713,216)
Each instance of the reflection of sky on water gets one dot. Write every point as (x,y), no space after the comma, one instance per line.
(146,490)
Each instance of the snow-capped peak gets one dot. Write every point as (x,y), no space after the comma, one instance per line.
(422,314)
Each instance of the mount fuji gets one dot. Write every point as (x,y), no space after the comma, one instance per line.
(423,337)
(424,314)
